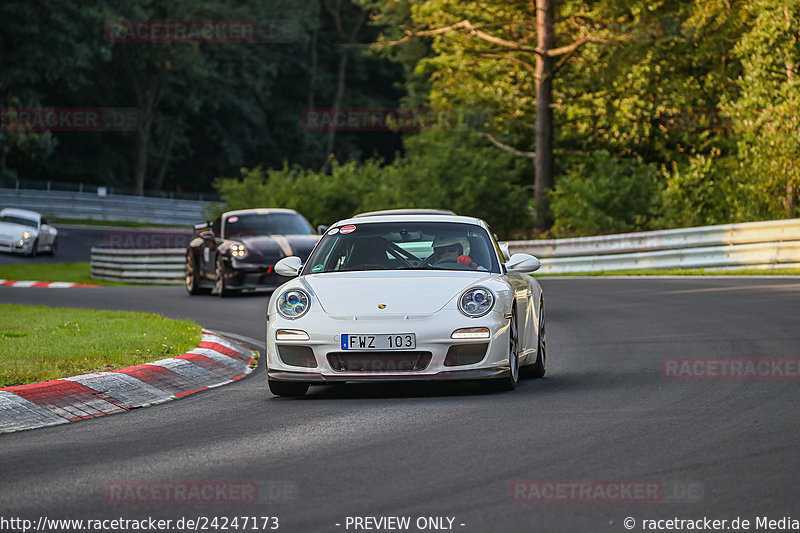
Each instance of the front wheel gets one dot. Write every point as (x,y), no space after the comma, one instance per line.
(509,382)
(53,247)
(287,388)
(192,281)
(34,249)
(219,282)
(538,369)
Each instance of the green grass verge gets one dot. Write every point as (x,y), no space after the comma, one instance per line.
(682,272)
(40,343)
(72,272)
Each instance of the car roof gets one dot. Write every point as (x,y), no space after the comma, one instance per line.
(440,217)
(259,211)
(24,213)
(405,212)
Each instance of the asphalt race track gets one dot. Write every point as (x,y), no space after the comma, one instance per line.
(604,415)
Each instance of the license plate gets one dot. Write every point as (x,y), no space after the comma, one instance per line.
(382,341)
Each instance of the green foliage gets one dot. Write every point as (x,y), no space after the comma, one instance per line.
(699,193)
(765,114)
(604,194)
(214,106)
(454,170)
(218,107)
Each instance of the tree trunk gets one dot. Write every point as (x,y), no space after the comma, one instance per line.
(543,182)
(312,75)
(166,154)
(142,142)
(341,74)
(147,100)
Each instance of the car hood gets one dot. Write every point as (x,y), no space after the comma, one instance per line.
(15,230)
(278,246)
(414,293)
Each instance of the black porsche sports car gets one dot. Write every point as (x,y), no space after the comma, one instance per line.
(239,249)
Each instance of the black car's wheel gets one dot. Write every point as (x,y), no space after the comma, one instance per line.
(509,382)
(538,369)
(192,280)
(219,282)
(287,388)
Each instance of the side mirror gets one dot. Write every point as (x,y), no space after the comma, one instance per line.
(289,266)
(523,264)
(321,229)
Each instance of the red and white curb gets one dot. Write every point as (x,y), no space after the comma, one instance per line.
(43,284)
(216,361)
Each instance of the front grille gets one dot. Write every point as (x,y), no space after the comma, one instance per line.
(465,354)
(297,355)
(389,361)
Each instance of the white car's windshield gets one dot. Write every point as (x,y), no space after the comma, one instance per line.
(11,219)
(404,246)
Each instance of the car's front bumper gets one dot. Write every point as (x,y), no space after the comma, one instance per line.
(249,276)
(322,363)
(13,246)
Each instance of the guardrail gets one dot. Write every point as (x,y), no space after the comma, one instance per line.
(164,266)
(111,207)
(770,244)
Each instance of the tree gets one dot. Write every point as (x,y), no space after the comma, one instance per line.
(502,31)
(39,54)
(765,114)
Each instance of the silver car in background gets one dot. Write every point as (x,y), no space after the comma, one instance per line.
(26,232)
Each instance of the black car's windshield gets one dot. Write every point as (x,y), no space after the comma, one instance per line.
(251,224)
(404,246)
(11,219)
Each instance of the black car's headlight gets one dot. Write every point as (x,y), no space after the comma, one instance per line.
(476,302)
(293,303)
(238,250)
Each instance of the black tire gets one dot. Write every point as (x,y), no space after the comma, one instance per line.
(192,281)
(509,382)
(287,388)
(538,369)
(34,249)
(53,247)
(219,282)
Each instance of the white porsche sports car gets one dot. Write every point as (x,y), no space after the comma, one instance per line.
(26,232)
(402,295)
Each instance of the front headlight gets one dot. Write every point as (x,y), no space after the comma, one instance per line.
(476,302)
(293,303)
(26,234)
(238,250)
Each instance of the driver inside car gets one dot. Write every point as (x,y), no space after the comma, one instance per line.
(451,249)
